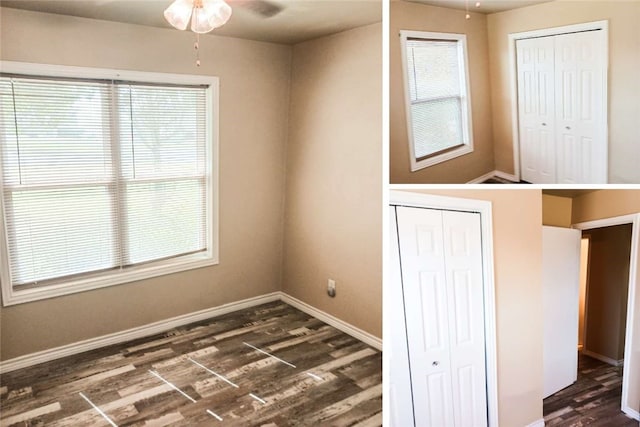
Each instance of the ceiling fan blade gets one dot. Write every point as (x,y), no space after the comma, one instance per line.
(263,8)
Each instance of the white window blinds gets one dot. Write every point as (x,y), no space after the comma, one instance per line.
(437,95)
(100,176)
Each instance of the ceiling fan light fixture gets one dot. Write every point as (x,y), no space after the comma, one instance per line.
(178,13)
(221,13)
(205,15)
(200,18)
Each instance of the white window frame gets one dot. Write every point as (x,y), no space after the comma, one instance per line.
(11,296)
(467,124)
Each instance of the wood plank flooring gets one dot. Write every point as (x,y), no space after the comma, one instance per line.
(270,366)
(498,180)
(594,400)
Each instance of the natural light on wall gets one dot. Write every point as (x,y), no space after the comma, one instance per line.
(437,97)
(99,177)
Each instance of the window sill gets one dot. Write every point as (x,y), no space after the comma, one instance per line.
(10,296)
(416,165)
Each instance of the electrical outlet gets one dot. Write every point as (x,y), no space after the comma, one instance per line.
(331,288)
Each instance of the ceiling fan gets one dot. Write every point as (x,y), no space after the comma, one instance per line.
(206,15)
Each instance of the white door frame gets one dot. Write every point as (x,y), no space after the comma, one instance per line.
(513,67)
(398,383)
(634,220)
(483,207)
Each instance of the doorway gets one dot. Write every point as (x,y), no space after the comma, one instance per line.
(630,335)
(602,252)
(606,285)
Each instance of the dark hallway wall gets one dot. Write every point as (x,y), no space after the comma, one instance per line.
(607,289)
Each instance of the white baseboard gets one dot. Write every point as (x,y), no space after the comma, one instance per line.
(504,175)
(602,358)
(131,334)
(185,319)
(631,413)
(495,173)
(538,423)
(482,178)
(343,326)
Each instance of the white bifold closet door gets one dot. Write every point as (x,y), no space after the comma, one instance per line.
(562,123)
(441,266)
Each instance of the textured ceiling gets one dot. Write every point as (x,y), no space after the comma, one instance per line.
(486,6)
(298,21)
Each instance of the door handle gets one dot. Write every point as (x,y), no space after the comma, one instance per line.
(435,363)
(567,127)
(544,124)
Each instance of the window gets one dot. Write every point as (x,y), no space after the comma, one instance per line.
(104,180)
(437,97)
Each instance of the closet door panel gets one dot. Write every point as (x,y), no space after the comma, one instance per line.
(425,295)
(527,101)
(462,249)
(579,92)
(535,62)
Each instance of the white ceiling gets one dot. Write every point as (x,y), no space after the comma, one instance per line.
(297,22)
(486,6)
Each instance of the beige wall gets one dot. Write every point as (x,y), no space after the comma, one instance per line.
(333,211)
(254,85)
(605,204)
(608,288)
(624,63)
(608,204)
(556,211)
(412,16)
(517,240)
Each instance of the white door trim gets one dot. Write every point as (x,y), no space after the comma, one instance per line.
(400,399)
(515,126)
(634,220)
(483,207)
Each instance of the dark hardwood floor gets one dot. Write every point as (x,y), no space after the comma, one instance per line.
(270,366)
(498,180)
(594,400)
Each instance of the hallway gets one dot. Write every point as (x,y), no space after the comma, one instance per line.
(593,400)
